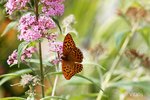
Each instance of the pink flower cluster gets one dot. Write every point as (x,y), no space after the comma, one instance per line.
(27,53)
(53,7)
(31,29)
(13,5)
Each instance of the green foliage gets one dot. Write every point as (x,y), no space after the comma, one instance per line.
(145,34)
(9,27)
(21,47)
(58,24)
(10,76)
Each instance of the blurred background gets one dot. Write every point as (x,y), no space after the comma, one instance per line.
(114,36)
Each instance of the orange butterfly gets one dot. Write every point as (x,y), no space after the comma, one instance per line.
(71,59)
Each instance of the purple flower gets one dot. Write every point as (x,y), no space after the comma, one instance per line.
(32,30)
(31,49)
(51,37)
(56,47)
(13,5)
(12,59)
(27,53)
(53,7)
(55,61)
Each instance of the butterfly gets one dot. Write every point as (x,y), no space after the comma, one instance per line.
(71,59)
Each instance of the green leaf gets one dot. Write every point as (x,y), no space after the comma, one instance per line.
(78,75)
(5,79)
(120,39)
(95,64)
(21,48)
(145,34)
(55,97)
(10,76)
(57,23)
(38,62)
(9,27)
(13,98)
(12,65)
(86,78)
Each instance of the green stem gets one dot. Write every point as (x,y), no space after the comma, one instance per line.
(55,83)
(116,61)
(40,52)
(54,87)
(41,69)
(36,9)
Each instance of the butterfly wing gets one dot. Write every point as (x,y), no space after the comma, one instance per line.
(76,55)
(78,67)
(69,69)
(68,44)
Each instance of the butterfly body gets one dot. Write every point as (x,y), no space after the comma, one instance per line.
(71,59)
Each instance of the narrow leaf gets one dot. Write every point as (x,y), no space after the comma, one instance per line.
(23,71)
(57,23)
(120,39)
(10,76)
(9,27)
(55,97)
(95,64)
(78,75)
(38,61)
(6,79)
(13,98)
(21,47)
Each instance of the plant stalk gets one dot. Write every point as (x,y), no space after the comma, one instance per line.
(54,87)
(41,69)
(40,52)
(55,82)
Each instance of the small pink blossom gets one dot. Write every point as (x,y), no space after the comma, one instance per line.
(51,37)
(13,5)
(49,1)
(31,49)
(32,30)
(27,53)
(23,57)
(53,7)
(56,47)
(55,61)
(12,59)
